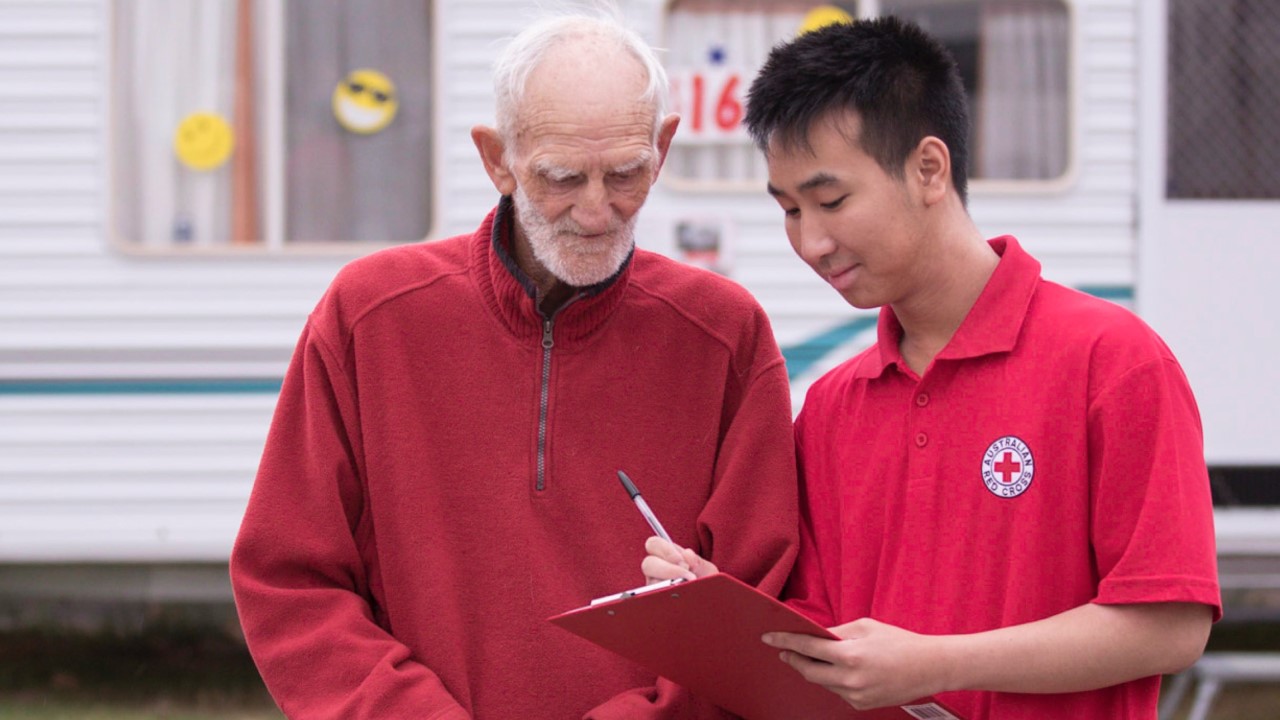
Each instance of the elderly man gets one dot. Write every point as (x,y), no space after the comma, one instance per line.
(440,476)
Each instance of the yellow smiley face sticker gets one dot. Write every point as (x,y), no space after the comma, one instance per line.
(365,101)
(822,16)
(203,141)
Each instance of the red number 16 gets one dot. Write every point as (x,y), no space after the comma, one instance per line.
(728,111)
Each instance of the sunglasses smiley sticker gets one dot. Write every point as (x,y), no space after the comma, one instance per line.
(365,101)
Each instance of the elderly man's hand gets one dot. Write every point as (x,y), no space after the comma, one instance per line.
(667,561)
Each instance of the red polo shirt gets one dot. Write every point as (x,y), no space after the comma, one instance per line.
(1051,456)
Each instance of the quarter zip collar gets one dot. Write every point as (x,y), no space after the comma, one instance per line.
(512,296)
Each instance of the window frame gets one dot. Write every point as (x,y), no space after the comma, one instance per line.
(271,152)
(977,186)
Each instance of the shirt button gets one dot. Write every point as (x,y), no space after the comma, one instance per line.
(921,439)
(922,399)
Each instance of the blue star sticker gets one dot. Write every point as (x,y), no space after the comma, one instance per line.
(716,55)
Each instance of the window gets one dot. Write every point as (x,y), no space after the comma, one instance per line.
(270,124)
(1223,138)
(1013,56)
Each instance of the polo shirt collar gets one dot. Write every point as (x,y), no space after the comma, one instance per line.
(992,324)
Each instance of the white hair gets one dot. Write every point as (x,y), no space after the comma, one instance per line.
(521,56)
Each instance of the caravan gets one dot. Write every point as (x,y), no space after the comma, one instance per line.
(179,181)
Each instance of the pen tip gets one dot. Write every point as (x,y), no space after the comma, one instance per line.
(630,486)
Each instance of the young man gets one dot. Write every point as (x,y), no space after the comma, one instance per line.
(1004,500)
(441,472)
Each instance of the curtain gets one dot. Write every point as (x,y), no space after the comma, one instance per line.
(345,186)
(1022,114)
(173,58)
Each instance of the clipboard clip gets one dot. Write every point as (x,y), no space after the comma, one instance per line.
(639,591)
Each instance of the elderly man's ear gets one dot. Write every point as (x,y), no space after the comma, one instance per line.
(491,146)
(666,131)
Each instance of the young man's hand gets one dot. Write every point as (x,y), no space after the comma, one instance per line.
(1087,647)
(873,665)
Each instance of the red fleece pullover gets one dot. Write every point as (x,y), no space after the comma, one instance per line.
(440,477)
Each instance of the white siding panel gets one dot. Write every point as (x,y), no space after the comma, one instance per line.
(144,333)
(47,241)
(40,21)
(125,477)
(44,179)
(471,35)
(51,91)
(43,53)
(60,532)
(47,147)
(46,120)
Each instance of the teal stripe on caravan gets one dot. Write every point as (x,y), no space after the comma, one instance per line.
(1109,292)
(803,356)
(799,359)
(141,386)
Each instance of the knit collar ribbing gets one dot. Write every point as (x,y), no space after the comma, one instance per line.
(511,295)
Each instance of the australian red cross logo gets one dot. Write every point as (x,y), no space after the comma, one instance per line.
(1007,467)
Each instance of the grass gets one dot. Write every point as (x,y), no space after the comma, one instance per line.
(205,673)
(59,710)
(156,674)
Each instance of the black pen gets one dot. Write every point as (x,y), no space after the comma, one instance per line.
(644,507)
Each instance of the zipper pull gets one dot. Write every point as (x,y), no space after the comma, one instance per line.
(546,335)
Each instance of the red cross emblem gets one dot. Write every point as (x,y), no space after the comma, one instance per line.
(1008,467)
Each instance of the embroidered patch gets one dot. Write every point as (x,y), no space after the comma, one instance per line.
(1007,467)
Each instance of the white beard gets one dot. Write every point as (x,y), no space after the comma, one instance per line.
(560,248)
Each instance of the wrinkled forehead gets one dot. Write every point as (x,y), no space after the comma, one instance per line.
(591,76)
(570,127)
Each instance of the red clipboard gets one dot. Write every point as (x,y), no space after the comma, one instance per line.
(704,634)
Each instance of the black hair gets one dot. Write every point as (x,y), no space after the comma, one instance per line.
(902,83)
